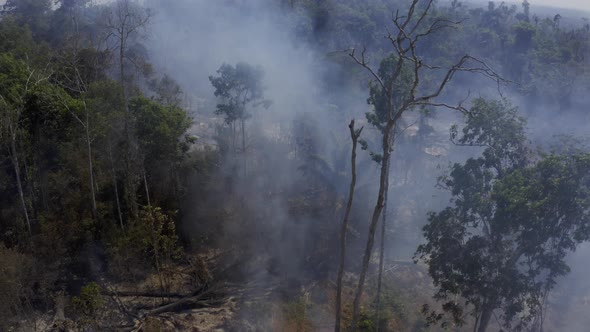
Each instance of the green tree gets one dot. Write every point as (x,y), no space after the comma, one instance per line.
(163,141)
(34,13)
(73,80)
(150,241)
(18,84)
(378,98)
(239,88)
(105,104)
(16,39)
(502,243)
(19,276)
(89,305)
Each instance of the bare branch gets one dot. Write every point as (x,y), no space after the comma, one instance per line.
(422,16)
(438,24)
(363,63)
(401,132)
(67,107)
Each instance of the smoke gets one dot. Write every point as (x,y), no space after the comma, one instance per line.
(191,39)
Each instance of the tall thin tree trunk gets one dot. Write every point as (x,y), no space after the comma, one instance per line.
(354,135)
(159,267)
(91,168)
(244,160)
(383,181)
(243,125)
(19,185)
(542,310)
(116,189)
(147,191)
(477,316)
(123,85)
(381,256)
(130,183)
(28,179)
(486,315)
(130,175)
(383,228)
(233,138)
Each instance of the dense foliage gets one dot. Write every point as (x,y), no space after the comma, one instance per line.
(101,180)
(67,163)
(502,243)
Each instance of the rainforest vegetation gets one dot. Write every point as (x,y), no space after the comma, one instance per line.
(293,165)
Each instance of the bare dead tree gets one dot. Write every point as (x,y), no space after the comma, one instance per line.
(124,21)
(354,135)
(410,29)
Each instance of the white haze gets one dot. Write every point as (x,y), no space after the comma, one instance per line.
(569,4)
(192,38)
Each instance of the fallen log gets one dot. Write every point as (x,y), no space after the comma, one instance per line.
(186,301)
(143,294)
(206,297)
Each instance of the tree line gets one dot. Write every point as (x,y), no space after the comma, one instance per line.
(95,149)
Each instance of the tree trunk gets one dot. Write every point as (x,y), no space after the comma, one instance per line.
(19,185)
(383,181)
(244,161)
(147,192)
(116,189)
(381,256)
(28,178)
(243,125)
(130,183)
(486,315)
(354,135)
(90,167)
(233,138)
(382,248)
(59,307)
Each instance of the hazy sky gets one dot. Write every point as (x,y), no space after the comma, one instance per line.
(576,4)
